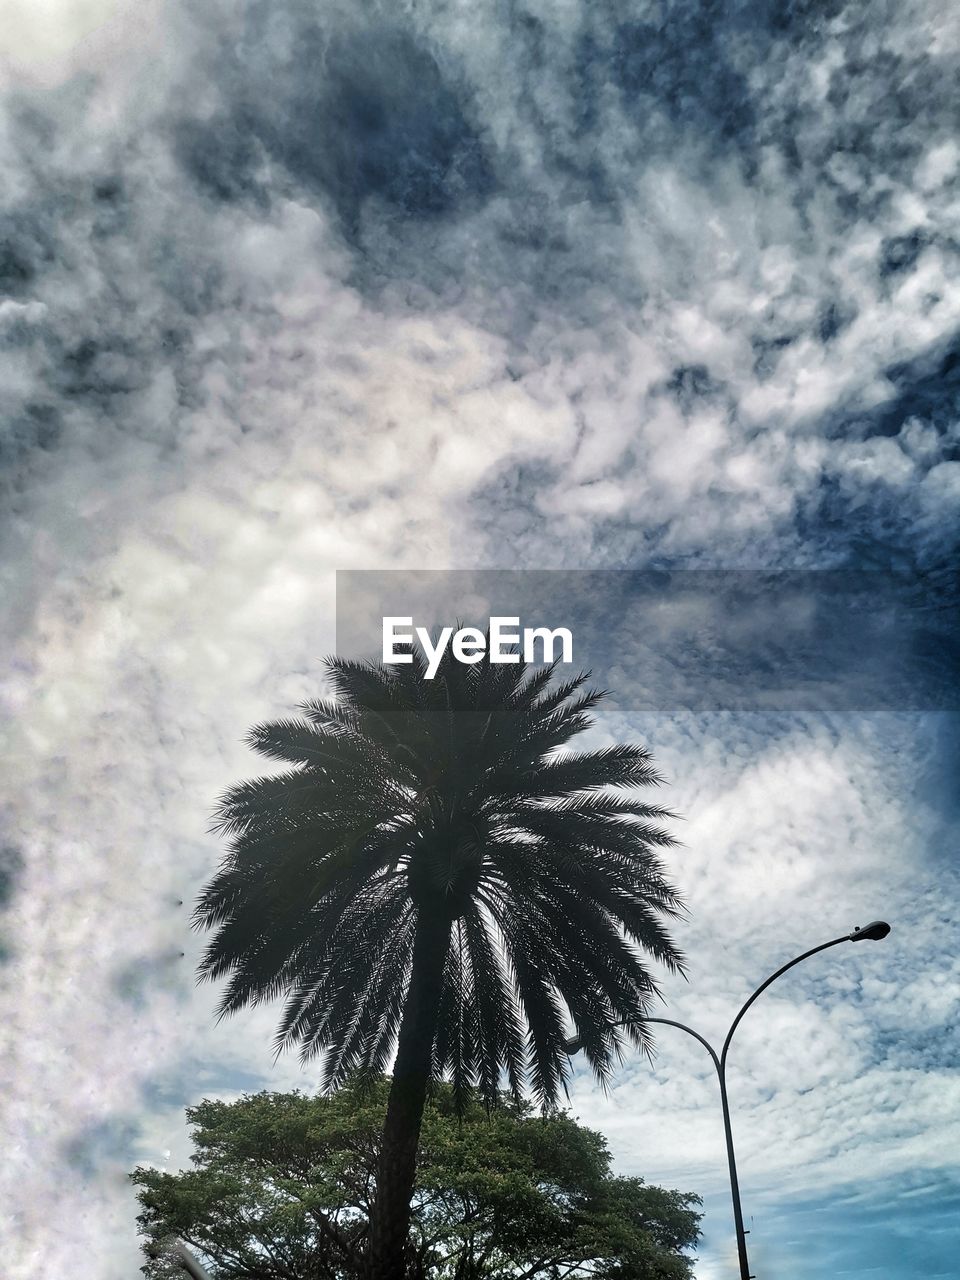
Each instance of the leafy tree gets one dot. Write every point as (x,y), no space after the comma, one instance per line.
(283,1185)
(435,872)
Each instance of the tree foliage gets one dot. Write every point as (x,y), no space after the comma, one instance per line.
(437,878)
(282,1186)
(456,800)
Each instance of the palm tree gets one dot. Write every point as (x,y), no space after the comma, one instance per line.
(435,874)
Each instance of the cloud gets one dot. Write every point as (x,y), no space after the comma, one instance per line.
(289,289)
(840,1076)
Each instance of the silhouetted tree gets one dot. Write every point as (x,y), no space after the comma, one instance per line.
(436,873)
(282,1187)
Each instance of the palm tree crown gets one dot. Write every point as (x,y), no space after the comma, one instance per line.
(454,804)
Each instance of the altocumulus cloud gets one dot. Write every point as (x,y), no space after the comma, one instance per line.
(294,287)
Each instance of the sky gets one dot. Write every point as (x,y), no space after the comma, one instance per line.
(294,288)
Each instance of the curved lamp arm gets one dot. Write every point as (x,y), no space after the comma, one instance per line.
(763,986)
(669,1022)
(874,931)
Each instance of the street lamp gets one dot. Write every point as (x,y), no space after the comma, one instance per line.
(872,932)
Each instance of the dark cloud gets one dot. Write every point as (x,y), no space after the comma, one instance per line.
(108,1144)
(36,427)
(222,155)
(352,112)
(24,248)
(692,384)
(833,317)
(937,786)
(11,869)
(11,866)
(135,982)
(899,253)
(519,206)
(680,65)
(927,393)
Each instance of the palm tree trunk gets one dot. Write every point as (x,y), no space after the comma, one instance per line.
(390,1219)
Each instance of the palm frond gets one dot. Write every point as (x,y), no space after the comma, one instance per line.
(461,798)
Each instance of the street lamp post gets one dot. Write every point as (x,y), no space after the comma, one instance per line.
(874,931)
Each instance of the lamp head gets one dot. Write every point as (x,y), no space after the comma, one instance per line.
(875,930)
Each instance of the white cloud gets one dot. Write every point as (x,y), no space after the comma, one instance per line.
(544,377)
